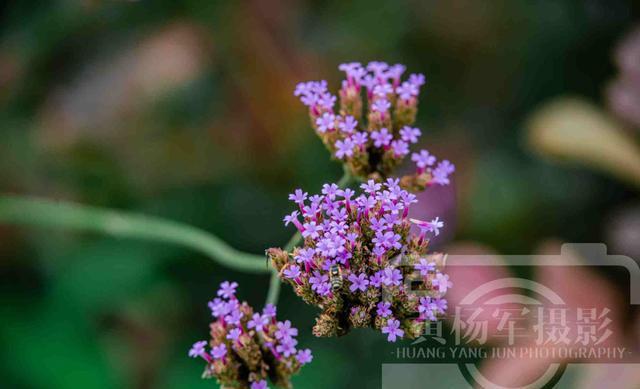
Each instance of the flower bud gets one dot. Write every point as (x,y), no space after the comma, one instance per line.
(359,262)
(248,348)
(350,134)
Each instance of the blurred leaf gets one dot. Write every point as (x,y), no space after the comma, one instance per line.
(572,129)
(329,369)
(48,350)
(104,275)
(184,372)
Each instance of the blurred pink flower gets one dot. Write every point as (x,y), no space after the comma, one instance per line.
(623,93)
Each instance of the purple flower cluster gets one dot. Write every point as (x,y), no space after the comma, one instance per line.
(359,261)
(374,142)
(248,347)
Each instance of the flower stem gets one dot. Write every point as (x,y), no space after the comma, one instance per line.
(48,213)
(274,281)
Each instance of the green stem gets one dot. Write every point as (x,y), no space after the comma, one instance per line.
(47,213)
(274,281)
(274,288)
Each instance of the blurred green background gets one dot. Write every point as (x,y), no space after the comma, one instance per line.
(185,110)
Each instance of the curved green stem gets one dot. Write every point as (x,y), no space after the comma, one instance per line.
(47,213)
(274,281)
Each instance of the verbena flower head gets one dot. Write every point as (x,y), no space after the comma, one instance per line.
(361,265)
(371,129)
(248,348)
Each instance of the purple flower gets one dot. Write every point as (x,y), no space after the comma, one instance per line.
(216,306)
(376,279)
(382,90)
(317,279)
(348,125)
(220,309)
(198,349)
(311,229)
(363,232)
(232,305)
(234,334)
(287,347)
(360,138)
(377,67)
(304,356)
(330,190)
(343,258)
(314,93)
(441,281)
(262,384)
(417,79)
(441,305)
(407,91)
(391,276)
(344,148)
(324,289)
(366,203)
(393,209)
(285,330)
(292,218)
(309,99)
(442,171)
(292,272)
(349,67)
(346,194)
(316,199)
(377,225)
(354,72)
(305,256)
(393,330)
(433,226)
(423,159)
(409,198)
(258,322)
(387,240)
(383,309)
(298,196)
(237,335)
(410,134)
(395,72)
(227,289)
(400,148)
(358,282)
(326,122)
(369,82)
(381,138)
(371,187)
(234,317)
(379,252)
(426,308)
(301,89)
(392,219)
(425,266)
(269,311)
(219,351)
(326,100)
(393,183)
(381,105)
(325,247)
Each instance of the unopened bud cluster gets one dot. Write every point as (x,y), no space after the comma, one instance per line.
(360,263)
(247,348)
(372,130)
